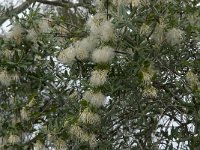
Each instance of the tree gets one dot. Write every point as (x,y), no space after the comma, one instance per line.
(100,75)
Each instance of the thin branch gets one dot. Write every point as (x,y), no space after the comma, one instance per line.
(64,4)
(15,11)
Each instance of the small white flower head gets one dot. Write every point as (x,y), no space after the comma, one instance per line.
(92,141)
(146,78)
(158,35)
(136,3)
(44,26)
(60,144)
(89,117)
(79,133)
(5,78)
(38,145)
(94,23)
(15,77)
(98,77)
(174,36)
(144,30)
(194,20)
(107,31)
(68,55)
(96,99)
(50,137)
(150,92)
(24,114)
(192,79)
(103,55)
(16,33)
(32,35)
(81,50)
(3,140)
(99,5)
(8,54)
(13,139)
(89,43)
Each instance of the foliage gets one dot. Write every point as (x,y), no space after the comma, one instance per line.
(101,75)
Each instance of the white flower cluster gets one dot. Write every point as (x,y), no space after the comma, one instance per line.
(38,145)
(192,79)
(144,29)
(174,36)
(16,33)
(92,141)
(98,77)
(68,55)
(135,3)
(60,144)
(96,99)
(80,50)
(147,76)
(24,113)
(158,35)
(44,26)
(3,141)
(101,27)
(150,92)
(83,136)
(32,35)
(76,131)
(89,117)
(13,139)
(8,53)
(103,55)
(6,78)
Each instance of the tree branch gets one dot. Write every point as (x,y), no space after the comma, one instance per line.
(15,11)
(64,4)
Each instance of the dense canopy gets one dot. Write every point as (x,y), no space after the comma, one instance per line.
(100,74)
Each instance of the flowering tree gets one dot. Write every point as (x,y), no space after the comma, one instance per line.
(103,74)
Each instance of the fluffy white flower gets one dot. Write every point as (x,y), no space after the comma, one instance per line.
(79,133)
(3,140)
(13,139)
(6,78)
(24,114)
(144,30)
(95,99)
(8,54)
(32,35)
(60,144)
(104,55)
(94,23)
(89,43)
(135,3)
(39,145)
(150,92)
(68,55)
(44,26)
(174,36)
(16,33)
(89,117)
(83,48)
(146,78)
(92,141)
(81,53)
(98,77)
(107,31)
(192,79)
(158,35)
